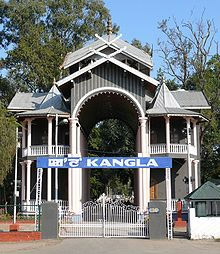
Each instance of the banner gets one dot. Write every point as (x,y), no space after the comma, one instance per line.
(104,162)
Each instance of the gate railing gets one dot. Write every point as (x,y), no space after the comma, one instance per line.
(104,218)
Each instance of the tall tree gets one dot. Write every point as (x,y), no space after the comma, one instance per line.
(7,142)
(188,60)
(38,34)
(211,130)
(187,49)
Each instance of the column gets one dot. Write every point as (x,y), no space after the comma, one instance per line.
(22,181)
(49,136)
(168,189)
(23,141)
(144,173)
(189,163)
(196,168)
(75,175)
(195,135)
(167,120)
(28,197)
(29,137)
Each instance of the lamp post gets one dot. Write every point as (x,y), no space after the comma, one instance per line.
(64,121)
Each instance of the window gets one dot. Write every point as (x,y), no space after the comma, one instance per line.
(207,208)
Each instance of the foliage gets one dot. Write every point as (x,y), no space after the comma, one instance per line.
(6,91)
(211,131)
(146,48)
(38,34)
(111,138)
(7,142)
(188,61)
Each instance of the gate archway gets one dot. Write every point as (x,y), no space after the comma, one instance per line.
(97,105)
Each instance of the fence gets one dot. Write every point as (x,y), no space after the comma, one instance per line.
(27,221)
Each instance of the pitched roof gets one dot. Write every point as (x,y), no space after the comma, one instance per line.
(165,103)
(207,191)
(48,103)
(26,101)
(133,52)
(101,61)
(191,99)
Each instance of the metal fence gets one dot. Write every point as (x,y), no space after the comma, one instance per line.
(26,221)
(104,218)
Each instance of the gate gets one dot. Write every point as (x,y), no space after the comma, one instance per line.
(104,218)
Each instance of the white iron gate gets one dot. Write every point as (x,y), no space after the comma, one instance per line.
(105,218)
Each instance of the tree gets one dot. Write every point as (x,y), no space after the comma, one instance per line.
(146,48)
(38,34)
(6,91)
(187,49)
(188,61)
(111,138)
(211,131)
(7,142)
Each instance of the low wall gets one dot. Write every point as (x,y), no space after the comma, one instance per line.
(19,236)
(203,227)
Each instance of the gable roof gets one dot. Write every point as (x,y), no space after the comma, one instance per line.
(191,99)
(113,42)
(101,61)
(207,191)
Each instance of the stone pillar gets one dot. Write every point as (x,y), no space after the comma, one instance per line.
(29,137)
(23,141)
(144,173)
(167,121)
(22,180)
(49,136)
(75,175)
(196,168)
(28,197)
(189,163)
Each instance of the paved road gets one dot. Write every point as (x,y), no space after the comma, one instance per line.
(112,246)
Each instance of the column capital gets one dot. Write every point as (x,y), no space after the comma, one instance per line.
(28,162)
(50,118)
(195,161)
(73,119)
(29,119)
(167,117)
(22,163)
(143,119)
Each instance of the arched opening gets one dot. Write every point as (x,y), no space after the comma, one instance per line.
(112,138)
(109,109)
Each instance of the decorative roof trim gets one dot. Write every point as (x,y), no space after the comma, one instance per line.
(101,61)
(80,72)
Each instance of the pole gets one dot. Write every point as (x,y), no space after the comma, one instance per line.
(16,176)
(56,170)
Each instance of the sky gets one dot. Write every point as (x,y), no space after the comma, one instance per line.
(139,18)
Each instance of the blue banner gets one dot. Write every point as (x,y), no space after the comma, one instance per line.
(104,162)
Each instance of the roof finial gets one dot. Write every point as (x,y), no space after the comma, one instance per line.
(109,26)
(54,81)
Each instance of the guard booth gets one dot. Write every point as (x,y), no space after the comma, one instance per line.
(106,217)
(204,211)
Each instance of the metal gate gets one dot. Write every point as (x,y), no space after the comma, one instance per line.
(104,218)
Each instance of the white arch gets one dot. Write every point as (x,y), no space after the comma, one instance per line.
(107,89)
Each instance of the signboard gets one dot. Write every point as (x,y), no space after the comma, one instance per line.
(104,162)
